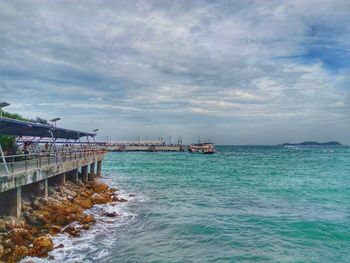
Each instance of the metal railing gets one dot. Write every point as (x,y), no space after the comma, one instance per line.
(24,162)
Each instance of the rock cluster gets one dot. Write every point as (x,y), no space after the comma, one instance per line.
(42,218)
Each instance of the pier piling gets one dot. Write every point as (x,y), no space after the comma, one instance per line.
(92,172)
(84,174)
(99,168)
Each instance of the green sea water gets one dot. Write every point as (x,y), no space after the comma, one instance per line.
(243,204)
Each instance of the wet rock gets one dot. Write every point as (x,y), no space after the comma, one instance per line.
(41,246)
(86,193)
(110,214)
(30,219)
(70,193)
(2,249)
(7,243)
(60,246)
(37,204)
(7,251)
(33,230)
(72,231)
(55,230)
(89,219)
(132,195)
(119,199)
(20,236)
(83,202)
(62,220)
(13,223)
(2,225)
(40,217)
(18,253)
(99,187)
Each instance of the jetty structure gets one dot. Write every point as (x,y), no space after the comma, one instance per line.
(143,146)
(50,155)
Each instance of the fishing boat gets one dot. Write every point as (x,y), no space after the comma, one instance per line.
(206,148)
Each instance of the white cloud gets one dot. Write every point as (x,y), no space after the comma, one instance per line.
(177,63)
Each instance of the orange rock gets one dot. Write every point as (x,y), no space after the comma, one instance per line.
(61,220)
(72,231)
(99,187)
(55,230)
(20,235)
(41,246)
(18,253)
(83,202)
(102,198)
(33,230)
(88,219)
(15,223)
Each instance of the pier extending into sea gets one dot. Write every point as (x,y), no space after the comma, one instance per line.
(143,146)
(50,155)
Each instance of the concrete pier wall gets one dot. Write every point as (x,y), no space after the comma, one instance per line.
(36,181)
(12,181)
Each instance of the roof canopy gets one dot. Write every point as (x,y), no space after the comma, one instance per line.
(23,128)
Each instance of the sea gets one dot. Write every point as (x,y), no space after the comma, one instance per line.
(242,204)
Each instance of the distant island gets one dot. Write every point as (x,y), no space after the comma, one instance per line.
(313,144)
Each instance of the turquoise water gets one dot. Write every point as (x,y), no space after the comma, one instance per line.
(243,204)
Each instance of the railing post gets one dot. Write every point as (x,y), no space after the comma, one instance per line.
(13,164)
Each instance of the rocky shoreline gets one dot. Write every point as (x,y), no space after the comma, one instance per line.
(31,235)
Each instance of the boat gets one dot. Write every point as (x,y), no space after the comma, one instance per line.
(206,148)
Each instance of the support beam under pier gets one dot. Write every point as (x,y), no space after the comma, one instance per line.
(99,168)
(73,175)
(84,174)
(92,172)
(44,187)
(11,202)
(62,179)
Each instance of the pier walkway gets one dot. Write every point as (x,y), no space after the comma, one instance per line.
(35,170)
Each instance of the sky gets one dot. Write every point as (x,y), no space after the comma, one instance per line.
(235,72)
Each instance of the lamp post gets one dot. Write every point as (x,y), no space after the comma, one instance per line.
(55,120)
(3,105)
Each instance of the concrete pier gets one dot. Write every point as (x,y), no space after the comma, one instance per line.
(35,178)
(22,175)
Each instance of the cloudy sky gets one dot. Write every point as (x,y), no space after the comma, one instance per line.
(238,72)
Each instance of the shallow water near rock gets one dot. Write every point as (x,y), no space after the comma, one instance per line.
(243,204)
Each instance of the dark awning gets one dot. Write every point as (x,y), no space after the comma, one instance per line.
(23,128)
